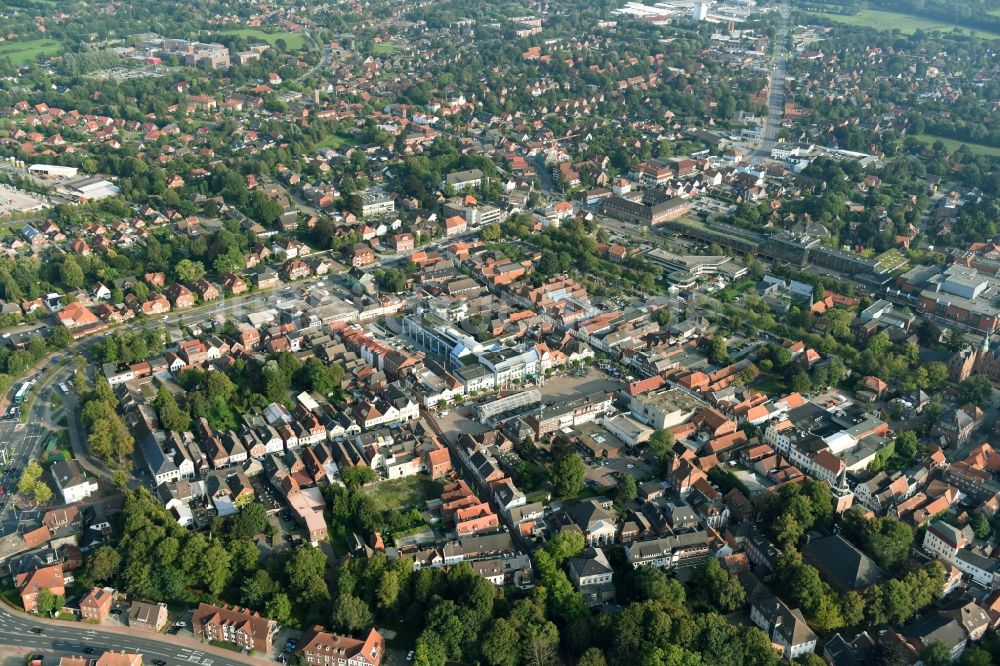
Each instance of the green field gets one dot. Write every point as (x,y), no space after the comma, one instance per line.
(952,145)
(25,52)
(295,41)
(400,494)
(335,141)
(905,23)
(384,48)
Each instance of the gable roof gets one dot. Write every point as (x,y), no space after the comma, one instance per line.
(843,565)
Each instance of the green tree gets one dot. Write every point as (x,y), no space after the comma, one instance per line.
(388,589)
(980,525)
(564,545)
(355,477)
(189,271)
(250,521)
(977,390)
(279,608)
(244,556)
(660,443)
(592,657)
(501,644)
(976,656)
(351,614)
(567,475)
(719,351)
(215,569)
(936,654)
(60,338)
(627,489)
(47,602)
(490,233)
(172,417)
(103,564)
(758,650)
(70,273)
(429,650)
(714,588)
(42,493)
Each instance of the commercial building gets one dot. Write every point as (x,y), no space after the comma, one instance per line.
(649,210)
(957,294)
(569,414)
(673,552)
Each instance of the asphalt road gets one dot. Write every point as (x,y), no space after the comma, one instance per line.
(776,94)
(16,629)
(20,445)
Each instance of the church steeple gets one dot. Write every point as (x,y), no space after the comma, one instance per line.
(843,498)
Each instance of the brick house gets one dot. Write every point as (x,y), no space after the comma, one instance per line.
(296,269)
(180,296)
(234,284)
(454,225)
(238,626)
(362,255)
(156,305)
(97,604)
(403,242)
(206,290)
(30,585)
(324,648)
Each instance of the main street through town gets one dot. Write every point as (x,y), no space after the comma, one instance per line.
(61,638)
(776,92)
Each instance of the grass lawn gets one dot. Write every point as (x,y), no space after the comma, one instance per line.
(24,52)
(225,645)
(769,384)
(736,289)
(538,496)
(335,141)
(384,48)
(411,491)
(952,145)
(905,23)
(295,41)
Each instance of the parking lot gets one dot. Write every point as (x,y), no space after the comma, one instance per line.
(567,387)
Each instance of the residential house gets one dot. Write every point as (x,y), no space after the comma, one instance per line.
(147,616)
(96,605)
(72,481)
(785,626)
(591,574)
(323,648)
(239,626)
(31,584)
